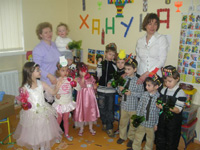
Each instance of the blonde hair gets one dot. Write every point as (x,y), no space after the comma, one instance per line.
(40,28)
(62,24)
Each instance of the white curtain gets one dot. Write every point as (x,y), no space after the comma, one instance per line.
(11,27)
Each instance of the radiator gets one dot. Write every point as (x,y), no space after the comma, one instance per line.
(9,82)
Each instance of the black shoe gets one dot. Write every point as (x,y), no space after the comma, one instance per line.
(120,141)
(129,144)
(130,148)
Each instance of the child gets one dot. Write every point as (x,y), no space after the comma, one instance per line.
(120,72)
(147,108)
(64,102)
(86,109)
(169,129)
(62,42)
(129,101)
(38,127)
(106,95)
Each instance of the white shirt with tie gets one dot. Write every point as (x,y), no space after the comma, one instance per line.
(152,54)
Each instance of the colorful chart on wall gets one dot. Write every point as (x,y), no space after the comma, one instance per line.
(189,49)
(91,56)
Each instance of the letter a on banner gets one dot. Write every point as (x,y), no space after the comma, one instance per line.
(167,20)
(96,28)
(112,27)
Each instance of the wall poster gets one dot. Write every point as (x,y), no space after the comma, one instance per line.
(189,48)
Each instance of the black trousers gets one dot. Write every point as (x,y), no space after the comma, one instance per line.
(106,108)
(168,133)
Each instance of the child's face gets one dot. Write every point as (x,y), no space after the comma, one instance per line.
(170,82)
(120,63)
(62,31)
(100,59)
(110,55)
(63,71)
(36,73)
(82,74)
(151,88)
(130,71)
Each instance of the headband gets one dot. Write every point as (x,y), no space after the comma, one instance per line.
(122,54)
(63,61)
(168,72)
(154,76)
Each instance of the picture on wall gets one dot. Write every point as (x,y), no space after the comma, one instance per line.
(91,56)
(189,49)
(99,53)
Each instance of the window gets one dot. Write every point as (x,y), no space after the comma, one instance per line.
(11,27)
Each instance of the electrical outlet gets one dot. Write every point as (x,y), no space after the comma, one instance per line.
(191,8)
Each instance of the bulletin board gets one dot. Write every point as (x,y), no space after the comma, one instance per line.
(189,48)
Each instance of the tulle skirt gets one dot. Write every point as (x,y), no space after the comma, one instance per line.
(38,130)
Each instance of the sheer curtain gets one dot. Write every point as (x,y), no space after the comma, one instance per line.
(11,27)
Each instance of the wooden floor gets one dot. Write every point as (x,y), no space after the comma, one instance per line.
(87,142)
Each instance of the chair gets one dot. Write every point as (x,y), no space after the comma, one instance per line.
(6,120)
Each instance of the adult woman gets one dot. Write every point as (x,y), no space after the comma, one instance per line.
(151,49)
(46,53)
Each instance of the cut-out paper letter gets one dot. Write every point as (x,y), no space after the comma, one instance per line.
(84,21)
(96,28)
(112,27)
(127,26)
(167,20)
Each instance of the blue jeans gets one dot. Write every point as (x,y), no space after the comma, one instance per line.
(106,108)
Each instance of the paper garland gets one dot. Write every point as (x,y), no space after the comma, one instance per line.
(145,5)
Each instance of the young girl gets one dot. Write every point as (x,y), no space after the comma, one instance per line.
(64,103)
(62,42)
(169,126)
(86,109)
(38,127)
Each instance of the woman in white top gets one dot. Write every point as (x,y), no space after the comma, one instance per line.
(151,49)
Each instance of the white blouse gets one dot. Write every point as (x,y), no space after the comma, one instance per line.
(151,55)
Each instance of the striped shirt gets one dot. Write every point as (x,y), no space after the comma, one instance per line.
(136,91)
(153,112)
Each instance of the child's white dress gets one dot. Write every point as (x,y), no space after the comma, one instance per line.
(38,126)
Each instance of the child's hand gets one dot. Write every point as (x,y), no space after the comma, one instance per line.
(155,128)
(159,106)
(128,92)
(121,88)
(95,86)
(67,47)
(109,84)
(175,110)
(58,96)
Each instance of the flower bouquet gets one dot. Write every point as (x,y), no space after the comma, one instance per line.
(23,98)
(166,107)
(75,45)
(117,80)
(137,120)
(73,74)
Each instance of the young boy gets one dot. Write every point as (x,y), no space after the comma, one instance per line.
(106,94)
(129,102)
(147,108)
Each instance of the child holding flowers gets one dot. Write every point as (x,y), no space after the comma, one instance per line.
(172,102)
(37,127)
